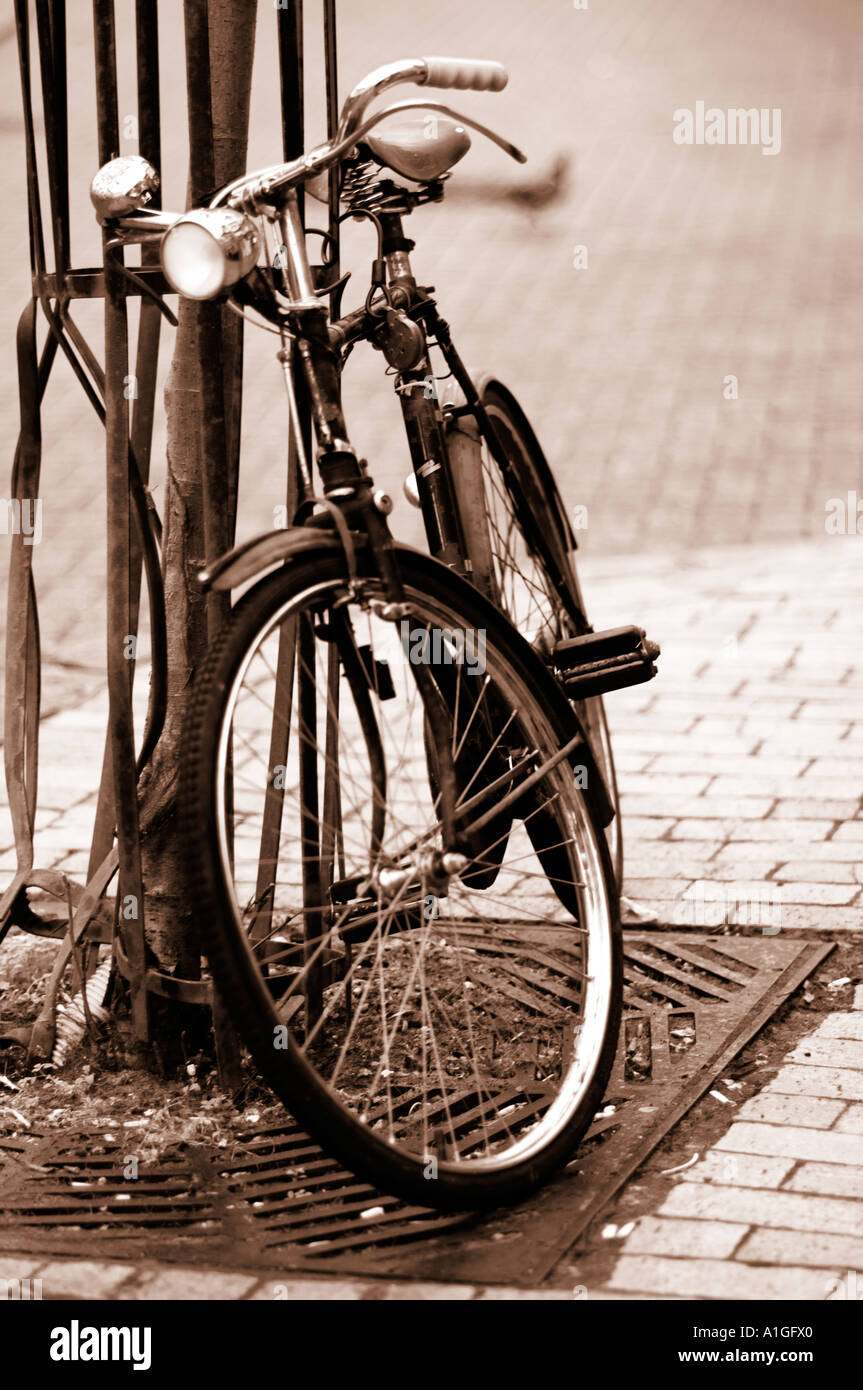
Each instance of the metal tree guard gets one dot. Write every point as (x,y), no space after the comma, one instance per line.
(133,527)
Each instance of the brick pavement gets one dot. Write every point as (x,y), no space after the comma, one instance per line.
(740,782)
(111,1279)
(702,262)
(773,1209)
(742,768)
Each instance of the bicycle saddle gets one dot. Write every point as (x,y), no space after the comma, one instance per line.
(419,145)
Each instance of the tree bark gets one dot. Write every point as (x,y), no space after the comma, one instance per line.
(201,489)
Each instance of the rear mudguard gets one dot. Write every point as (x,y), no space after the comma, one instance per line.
(450,393)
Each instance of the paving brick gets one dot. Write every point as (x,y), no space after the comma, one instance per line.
(822,918)
(851,1122)
(747,889)
(293,1290)
(626,761)
(646,783)
(813,1112)
(847,770)
(810,831)
(795,731)
(702,829)
(795,1079)
(724,764)
(813,808)
(754,1206)
(787,1248)
(192,1283)
(829,1052)
(851,830)
(817,894)
(644,828)
(698,1239)
(662,803)
(715,1279)
(848,1025)
(773,784)
(409,1292)
(790,1141)
(83,1278)
(809,871)
(14,1270)
(491,1294)
(672,852)
(661,888)
(781,851)
(739,1170)
(826,1180)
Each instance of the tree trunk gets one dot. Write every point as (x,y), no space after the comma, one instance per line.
(201,483)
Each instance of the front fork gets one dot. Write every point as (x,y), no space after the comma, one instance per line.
(424,422)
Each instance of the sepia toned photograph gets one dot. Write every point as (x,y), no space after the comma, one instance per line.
(431,601)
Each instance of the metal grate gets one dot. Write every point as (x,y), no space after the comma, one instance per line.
(691,1002)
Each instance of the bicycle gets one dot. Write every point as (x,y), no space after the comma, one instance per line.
(395,814)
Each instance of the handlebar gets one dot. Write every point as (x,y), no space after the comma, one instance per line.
(467,74)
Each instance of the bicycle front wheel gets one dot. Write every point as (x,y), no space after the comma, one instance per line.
(440,1016)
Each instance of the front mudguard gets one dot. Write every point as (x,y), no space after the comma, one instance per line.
(253,558)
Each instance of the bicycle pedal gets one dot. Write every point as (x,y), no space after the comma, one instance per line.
(600,662)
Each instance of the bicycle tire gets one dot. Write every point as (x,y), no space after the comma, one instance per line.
(288,1072)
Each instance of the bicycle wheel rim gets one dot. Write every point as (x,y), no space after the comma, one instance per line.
(595,1013)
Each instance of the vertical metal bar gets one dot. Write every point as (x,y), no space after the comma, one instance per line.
(332,77)
(313,921)
(130,894)
(22,675)
(290,36)
(280,733)
(20,726)
(146,365)
(202,177)
(147,42)
(291,82)
(37,242)
(202,172)
(53,80)
(149,144)
(218,501)
(332,782)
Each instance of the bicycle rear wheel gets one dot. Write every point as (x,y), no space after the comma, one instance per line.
(441,1021)
(503,518)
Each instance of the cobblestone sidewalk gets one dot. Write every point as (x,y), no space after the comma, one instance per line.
(741,770)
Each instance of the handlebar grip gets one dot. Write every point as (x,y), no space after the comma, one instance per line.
(474,74)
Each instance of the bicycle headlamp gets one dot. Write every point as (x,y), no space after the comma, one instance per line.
(207,251)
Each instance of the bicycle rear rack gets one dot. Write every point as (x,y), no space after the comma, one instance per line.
(602,661)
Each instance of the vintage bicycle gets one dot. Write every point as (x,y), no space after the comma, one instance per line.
(398,786)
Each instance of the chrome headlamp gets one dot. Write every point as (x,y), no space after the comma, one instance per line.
(207,251)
